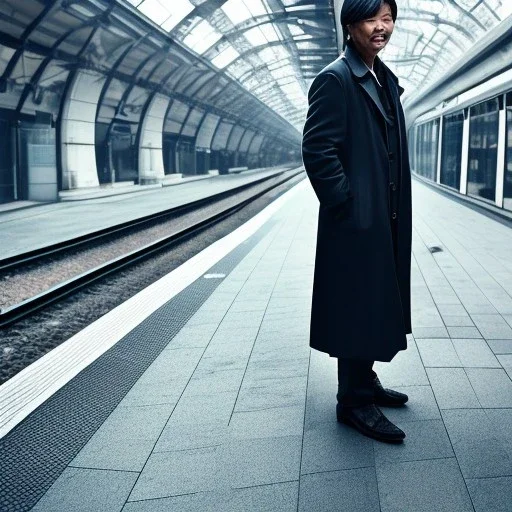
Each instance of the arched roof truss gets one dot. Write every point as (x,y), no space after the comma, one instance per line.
(43,43)
(431,35)
(267,45)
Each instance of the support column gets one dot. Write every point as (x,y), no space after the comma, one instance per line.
(465,154)
(78,131)
(439,150)
(502,141)
(151,160)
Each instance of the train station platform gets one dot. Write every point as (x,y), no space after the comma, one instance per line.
(65,220)
(207,397)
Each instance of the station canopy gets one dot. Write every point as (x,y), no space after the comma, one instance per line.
(431,35)
(273,48)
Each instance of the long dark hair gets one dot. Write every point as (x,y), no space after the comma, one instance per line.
(359,10)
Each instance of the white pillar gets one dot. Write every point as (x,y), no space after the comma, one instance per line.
(465,156)
(151,160)
(439,149)
(502,142)
(78,129)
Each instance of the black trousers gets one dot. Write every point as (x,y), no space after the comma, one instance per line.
(355,382)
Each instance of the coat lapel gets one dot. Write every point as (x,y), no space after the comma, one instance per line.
(365,79)
(368,84)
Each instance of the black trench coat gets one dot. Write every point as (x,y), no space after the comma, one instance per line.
(361,294)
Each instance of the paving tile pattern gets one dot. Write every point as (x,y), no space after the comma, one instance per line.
(238,414)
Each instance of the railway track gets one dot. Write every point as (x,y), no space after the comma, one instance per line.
(40,257)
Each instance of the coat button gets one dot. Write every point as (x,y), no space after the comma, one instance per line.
(391,155)
(393,216)
(393,186)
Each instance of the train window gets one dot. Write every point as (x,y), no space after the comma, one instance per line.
(451,154)
(426,149)
(483,150)
(507,182)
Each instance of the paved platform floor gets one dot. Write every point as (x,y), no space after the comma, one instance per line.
(238,414)
(57,222)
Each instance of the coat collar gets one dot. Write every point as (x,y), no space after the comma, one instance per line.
(360,69)
(355,63)
(391,75)
(365,78)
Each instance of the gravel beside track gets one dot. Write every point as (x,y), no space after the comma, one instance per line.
(23,283)
(25,341)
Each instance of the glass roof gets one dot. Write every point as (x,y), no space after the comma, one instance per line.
(275,47)
(272,47)
(430,35)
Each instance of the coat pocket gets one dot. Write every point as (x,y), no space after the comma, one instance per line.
(341,211)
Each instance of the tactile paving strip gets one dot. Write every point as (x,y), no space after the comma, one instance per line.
(36,452)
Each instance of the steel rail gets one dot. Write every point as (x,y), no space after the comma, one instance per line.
(19,260)
(29,306)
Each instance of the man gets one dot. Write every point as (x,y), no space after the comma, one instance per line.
(355,155)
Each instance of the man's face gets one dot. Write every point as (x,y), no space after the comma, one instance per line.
(372,35)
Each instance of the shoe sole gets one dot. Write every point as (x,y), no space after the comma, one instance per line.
(369,433)
(390,404)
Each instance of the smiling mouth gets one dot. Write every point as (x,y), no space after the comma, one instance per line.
(379,39)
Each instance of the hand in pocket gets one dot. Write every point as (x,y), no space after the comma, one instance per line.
(341,211)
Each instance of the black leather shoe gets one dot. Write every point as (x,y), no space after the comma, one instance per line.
(387,397)
(369,420)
